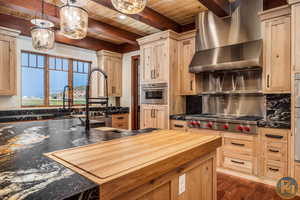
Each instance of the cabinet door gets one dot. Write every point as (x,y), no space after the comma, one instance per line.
(278,55)
(7,66)
(107,62)
(160,61)
(147,116)
(117,77)
(161,117)
(147,63)
(296,36)
(187,79)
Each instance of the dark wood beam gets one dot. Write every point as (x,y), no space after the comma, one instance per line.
(148,16)
(218,7)
(96,27)
(269,4)
(88,43)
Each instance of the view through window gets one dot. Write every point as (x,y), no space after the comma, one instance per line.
(44,78)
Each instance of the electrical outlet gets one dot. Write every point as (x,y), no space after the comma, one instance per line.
(181,184)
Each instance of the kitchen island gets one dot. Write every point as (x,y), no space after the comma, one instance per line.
(164,164)
(25,173)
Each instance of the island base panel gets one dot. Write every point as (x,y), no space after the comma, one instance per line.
(200,183)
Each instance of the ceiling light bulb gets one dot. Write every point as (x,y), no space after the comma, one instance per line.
(129,6)
(122,17)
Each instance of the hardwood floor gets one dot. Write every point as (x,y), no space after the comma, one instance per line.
(234,188)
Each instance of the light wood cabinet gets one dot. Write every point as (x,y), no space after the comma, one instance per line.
(111,63)
(154,65)
(274,153)
(120,121)
(276,31)
(154,116)
(200,183)
(178,125)
(190,83)
(295,34)
(8,62)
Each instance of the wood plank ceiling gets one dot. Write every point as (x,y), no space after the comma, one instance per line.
(106,29)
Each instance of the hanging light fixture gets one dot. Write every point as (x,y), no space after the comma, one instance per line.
(42,33)
(73,20)
(129,6)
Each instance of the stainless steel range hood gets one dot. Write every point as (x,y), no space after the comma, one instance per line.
(229,43)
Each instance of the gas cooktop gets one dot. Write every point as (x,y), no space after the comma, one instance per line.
(232,123)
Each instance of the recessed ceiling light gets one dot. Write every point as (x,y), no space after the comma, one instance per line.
(122,16)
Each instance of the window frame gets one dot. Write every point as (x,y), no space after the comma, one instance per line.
(47,79)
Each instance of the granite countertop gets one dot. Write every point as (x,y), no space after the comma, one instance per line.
(53,113)
(25,173)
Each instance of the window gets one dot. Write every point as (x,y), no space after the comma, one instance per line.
(43,82)
(33,79)
(80,77)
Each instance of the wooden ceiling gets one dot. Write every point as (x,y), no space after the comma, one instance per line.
(106,29)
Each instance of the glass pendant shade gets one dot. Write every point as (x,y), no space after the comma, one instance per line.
(73,22)
(43,37)
(129,6)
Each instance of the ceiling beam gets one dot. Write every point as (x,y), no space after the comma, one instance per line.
(87,43)
(219,7)
(269,4)
(51,11)
(147,16)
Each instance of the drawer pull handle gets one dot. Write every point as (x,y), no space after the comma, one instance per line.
(274,136)
(237,144)
(237,162)
(120,117)
(274,170)
(178,126)
(273,151)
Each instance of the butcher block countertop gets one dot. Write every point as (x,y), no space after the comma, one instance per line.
(137,159)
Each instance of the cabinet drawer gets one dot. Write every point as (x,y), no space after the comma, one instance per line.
(238,164)
(277,135)
(178,125)
(274,170)
(120,118)
(243,147)
(276,151)
(120,125)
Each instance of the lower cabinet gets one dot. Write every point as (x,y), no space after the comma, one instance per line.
(120,121)
(154,116)
(274,159)
(194,181)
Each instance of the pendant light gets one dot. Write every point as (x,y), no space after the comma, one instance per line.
(42,33)
(73,20)
(129,6)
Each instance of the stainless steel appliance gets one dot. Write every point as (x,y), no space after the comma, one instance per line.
(154,93)
(241,124)
(229,43)
(297,117)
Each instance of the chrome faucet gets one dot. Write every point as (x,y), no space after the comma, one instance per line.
(103,100)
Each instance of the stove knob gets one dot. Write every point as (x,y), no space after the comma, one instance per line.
(239,128)
(246,128)
(226,127)
(209,125)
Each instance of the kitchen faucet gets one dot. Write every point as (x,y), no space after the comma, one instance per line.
(104,100)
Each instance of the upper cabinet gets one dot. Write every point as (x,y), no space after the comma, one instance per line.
(189,82)
(154,60)
(111,63)
(8,61)
(295,4)
(276,32)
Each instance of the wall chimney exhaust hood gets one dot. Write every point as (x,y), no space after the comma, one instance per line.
(229,43)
